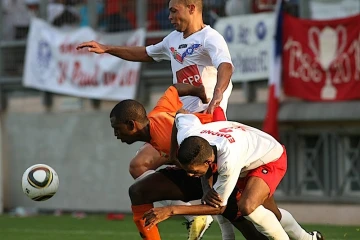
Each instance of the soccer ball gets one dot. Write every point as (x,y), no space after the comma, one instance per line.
(40,182)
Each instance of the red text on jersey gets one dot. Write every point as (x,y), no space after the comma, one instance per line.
(189,75)
(219,134)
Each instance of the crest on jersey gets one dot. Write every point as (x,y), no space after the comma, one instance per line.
(188,51)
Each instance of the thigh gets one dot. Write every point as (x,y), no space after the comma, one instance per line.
(165,184)
(190,187)
(256,191)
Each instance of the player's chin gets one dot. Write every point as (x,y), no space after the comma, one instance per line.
(178,28)
(128,141)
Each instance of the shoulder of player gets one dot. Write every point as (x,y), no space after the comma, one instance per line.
(173,34)
(211,32)
(158,116)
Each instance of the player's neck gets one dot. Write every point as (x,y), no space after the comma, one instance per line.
(194,28)
(146,137)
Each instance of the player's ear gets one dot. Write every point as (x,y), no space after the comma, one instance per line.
(208,162)
(192,8)
(130,125)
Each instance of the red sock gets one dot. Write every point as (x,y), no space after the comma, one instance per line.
(138,213)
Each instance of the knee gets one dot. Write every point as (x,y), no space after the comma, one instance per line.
(247,206)
(136,168)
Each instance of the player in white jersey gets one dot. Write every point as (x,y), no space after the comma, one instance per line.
(195,60)
(249,165)
(199,56)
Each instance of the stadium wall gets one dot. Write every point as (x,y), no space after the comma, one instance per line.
(92,165)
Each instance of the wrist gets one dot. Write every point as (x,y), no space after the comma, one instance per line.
(107,49)
(218,90)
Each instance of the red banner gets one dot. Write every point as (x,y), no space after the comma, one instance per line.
(321,59)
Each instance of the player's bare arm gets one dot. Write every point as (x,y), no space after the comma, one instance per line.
(224,74)
(190,90)
(157,215)
(133,53)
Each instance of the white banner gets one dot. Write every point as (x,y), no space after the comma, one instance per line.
(249,38)
(53,64)
(333,9)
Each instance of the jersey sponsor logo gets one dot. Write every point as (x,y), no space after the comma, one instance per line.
(189,51)
(189,75)
(182,46)
(219,134)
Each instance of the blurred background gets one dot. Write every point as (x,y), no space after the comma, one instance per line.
(72,133)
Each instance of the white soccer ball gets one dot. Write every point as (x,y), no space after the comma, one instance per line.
(40,182)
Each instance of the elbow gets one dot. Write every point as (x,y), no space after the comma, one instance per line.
(226,67)
(136,170)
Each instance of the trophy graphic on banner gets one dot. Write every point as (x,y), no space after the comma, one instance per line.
(326,53)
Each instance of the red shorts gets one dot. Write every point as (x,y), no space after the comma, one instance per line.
(218,115)
(272,173)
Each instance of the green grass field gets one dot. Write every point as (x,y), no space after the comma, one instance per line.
(98,228)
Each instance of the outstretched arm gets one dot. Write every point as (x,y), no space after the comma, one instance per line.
(184,89)
(157,215)
(133,53)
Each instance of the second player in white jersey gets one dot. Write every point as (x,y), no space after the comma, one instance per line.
(240,148)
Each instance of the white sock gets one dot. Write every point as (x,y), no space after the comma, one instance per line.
(292,227)
(147,173)
(266,222)
(227,230)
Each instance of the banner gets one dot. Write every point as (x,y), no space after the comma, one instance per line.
(321,9)
(53,64)
(249,38)
(321,59)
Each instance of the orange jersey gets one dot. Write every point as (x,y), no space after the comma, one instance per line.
(162,120)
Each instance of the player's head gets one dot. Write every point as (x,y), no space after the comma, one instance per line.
(128,118)
(195,155)
(184,12)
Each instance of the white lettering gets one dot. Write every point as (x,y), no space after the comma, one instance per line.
(304,67)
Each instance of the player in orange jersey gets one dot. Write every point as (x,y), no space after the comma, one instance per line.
(131,124)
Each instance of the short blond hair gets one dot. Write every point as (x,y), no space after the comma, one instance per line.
(197,3)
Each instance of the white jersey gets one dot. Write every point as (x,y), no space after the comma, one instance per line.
(194,60)
(240,148)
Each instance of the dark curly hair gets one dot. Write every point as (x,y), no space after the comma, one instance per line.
(194,150)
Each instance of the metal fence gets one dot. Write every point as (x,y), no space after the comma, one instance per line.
(323,165)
